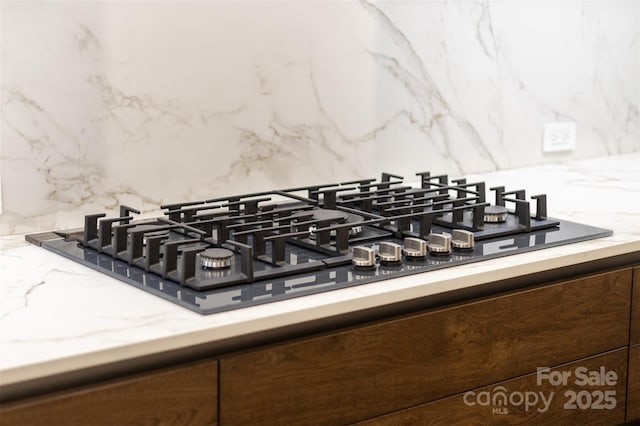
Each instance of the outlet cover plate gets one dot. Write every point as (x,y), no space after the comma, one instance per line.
(559,137)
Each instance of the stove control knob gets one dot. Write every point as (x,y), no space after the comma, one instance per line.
(462,240)
(414,248)
(439,243)
(364,257)
(390,252)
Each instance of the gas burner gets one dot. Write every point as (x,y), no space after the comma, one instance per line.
(216,258)
(495,214)
(330,216)
(149,230)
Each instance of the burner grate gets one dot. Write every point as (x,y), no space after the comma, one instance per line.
(326,222)
(299,240)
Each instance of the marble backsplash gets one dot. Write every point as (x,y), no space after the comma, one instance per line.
(143,103)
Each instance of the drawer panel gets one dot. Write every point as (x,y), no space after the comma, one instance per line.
(185,395)
(524,400)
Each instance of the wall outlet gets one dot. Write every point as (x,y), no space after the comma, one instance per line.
(559,137)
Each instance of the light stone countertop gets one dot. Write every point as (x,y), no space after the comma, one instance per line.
(57,316)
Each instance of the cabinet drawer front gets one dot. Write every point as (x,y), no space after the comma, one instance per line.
(185,395)
(559,396)
(375,369)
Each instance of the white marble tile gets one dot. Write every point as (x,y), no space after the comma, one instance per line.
(475,81)
(143,103)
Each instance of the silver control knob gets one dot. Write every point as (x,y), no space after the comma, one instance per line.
(414,248)
(390,252)
(439,243)
(216,258)
(462,240)
(364,257)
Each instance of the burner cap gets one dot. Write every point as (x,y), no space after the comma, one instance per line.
(334,216)
(216,258)
(495,214)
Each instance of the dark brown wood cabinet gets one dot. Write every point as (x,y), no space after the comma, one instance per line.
(185,395)
(367,371)
(409,369)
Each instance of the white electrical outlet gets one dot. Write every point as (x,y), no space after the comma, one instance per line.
(559,137)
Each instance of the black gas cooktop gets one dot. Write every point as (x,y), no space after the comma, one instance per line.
(232,252)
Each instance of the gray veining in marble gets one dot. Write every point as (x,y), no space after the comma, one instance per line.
(144,103)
